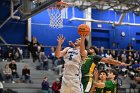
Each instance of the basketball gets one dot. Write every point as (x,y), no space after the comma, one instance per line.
(83,29)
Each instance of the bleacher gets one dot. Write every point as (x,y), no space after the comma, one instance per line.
(36,77)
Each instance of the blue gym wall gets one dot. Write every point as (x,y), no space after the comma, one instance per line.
(48,36)
(108,34)
(14,31)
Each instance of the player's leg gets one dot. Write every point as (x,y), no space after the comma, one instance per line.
(87,84)
(77,86)
(65,86)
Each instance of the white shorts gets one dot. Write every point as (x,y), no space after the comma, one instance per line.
(71,85)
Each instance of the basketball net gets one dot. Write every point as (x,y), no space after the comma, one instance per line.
(56,13)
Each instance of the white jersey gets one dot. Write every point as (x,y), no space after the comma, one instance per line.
(71,80)
(72,60)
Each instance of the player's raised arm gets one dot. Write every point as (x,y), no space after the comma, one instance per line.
(58,52)
(82,46)
(114,62)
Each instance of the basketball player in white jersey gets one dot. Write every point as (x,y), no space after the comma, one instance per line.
(71,80)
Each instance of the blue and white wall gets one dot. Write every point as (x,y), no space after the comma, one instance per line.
(107,34)
(47,35)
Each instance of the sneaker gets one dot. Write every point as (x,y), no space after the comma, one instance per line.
(13,82)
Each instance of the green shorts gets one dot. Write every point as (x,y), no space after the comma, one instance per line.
(87,82)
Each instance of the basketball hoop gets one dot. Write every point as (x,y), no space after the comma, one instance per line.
(56,13)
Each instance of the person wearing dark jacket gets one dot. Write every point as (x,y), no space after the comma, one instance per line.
(26,73)
(13,67)
(45,86)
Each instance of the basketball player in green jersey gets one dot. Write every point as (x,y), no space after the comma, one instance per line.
(110,85)
(103,77)
(88,66)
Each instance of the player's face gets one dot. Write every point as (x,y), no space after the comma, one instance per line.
(103,76)
(77,42)
(91,51)
(111,75)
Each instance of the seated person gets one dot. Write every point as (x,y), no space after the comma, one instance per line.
(13,67)
(58,65)
(56,86)
(45,86)
(7,73)
(26,73)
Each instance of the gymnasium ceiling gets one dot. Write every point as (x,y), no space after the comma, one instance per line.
(122,6)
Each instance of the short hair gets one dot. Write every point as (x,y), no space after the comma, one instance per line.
(103,71)
(114,73)
(95,49)
(45,77)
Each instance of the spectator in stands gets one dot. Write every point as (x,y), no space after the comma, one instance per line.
(34,44)
(129,47)
(108,54)
(41,53)
(7,72)
(123,69)
(52,54)
(124,52)
(58,63)
(56,86)
(119,55)
(44,64)
(101,65)
(10,53)
(113,54)
(136,56)
(13,67)
(123,57)
(1,87)
(130,53)
(17,54)
(101,53)
(45,85)
(27,49)
(20,53)
(26,73)
(135,67)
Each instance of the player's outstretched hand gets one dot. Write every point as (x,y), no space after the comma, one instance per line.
(124,64)
(60,39)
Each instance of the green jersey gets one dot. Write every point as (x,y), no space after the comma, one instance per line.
(89,64)
(87,70)
(99,90)
(110,87)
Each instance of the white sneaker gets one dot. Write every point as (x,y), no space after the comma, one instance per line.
(13,82)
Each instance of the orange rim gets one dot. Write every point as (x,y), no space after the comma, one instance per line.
(62,3)
(59,5)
